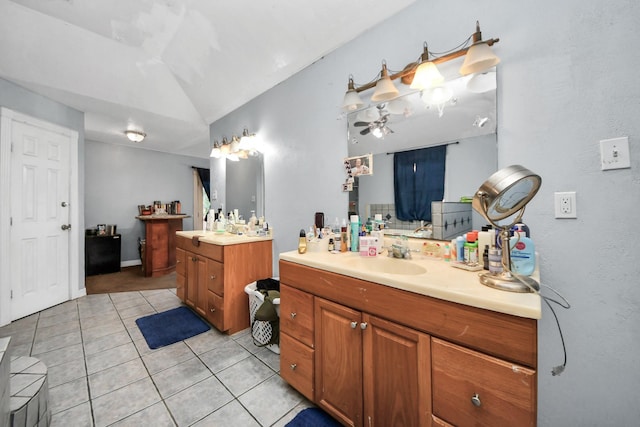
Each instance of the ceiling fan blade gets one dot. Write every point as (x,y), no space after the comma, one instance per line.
(365,131)
(361,124)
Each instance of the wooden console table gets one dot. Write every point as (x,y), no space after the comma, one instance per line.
(159,257)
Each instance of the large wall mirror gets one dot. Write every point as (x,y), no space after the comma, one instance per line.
(245,186)
(466,123)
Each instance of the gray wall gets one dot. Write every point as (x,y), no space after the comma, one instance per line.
(567,79)
(119,178)
(21,100)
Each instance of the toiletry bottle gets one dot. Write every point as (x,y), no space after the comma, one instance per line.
(331,245)
(495,260)
(523,254)
(486,237)
(447,252)
(460,248)
(355,232)
(344,239)
(471,249)
(453,251)
(302,242)
(485,257)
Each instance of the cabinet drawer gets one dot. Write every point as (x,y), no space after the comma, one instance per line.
(296,314)
(215,277)
(296,365)
(181,268)
(215,310)
(505,393)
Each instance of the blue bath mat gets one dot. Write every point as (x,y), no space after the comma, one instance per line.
(313,417)
(171,326)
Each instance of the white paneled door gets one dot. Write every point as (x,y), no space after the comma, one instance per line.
(40,237)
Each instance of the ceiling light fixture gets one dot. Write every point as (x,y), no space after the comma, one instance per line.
(478,58)
(236,148)
(134,135)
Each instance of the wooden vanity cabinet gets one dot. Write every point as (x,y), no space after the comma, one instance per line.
(383,356)
(213,279)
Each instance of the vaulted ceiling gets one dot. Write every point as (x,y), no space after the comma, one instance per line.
(170,67)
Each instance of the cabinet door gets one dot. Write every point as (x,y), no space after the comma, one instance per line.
(201,292)
(338,338)
(192,279)
(474,389)
(181,273)
(397,379)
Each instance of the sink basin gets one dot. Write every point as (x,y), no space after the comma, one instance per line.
(386,265)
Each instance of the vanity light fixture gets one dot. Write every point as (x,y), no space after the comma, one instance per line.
(385,89)
(236,148)
(503,195)
(134,135)
(478,58)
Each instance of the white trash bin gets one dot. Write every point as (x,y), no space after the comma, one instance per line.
(260,331)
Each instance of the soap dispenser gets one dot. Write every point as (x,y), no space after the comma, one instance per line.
(302,242)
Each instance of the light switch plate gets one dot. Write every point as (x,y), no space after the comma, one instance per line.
(614,153)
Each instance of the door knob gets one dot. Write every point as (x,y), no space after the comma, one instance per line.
(66,226)
(213,276)
(64,204)
(476,400)
(363,325)
(293,315)
(353,325)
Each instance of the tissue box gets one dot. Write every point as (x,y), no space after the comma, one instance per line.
(368,246)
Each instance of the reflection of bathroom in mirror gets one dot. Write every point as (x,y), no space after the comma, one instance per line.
(466,123)
(245,186)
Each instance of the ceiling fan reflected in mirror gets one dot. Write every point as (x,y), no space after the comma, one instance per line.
(377,127)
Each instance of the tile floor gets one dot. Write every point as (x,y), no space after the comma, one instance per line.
(102,373)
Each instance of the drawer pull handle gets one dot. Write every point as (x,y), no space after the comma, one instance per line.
(194,259)
(363,325)
(212,310)
(293,366)
(353,325)
(213,276)
(476,400)
(293,315)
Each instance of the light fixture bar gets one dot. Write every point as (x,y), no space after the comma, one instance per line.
(411,68)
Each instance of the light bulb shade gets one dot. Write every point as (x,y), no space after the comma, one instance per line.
(215,153)
(437,95)
(426,76)
(225,149)
(134,135)
(385,90)
(233,157)
(479,58)
(351,101)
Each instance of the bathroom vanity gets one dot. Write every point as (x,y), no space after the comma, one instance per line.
(212,270)
(382,341)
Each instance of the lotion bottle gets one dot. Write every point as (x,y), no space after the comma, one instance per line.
(302,242)
(523,254)
(355,232)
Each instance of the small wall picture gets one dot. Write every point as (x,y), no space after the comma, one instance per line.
(347,186)
(359,165)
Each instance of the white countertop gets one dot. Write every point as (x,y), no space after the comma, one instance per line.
(440,280)
(224,238)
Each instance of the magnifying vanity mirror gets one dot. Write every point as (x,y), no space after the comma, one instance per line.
(467,122)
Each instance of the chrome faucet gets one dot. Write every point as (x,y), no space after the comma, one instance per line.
(424,227)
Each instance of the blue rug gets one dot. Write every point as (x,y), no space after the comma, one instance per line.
(313,417)
(171,326)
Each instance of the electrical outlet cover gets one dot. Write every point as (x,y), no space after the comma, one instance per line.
(565,204)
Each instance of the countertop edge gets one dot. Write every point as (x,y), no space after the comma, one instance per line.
(435,283)
(222,239)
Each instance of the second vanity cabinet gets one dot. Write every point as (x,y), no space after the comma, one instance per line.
(211,278)
(373,355)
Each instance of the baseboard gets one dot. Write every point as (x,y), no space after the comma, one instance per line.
(130,263)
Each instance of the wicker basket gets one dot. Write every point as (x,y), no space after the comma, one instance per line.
(261,331)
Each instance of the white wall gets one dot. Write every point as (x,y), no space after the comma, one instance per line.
(567,79)
(119,178)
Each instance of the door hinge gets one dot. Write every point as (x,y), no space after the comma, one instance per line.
(10,220)
(11,293)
